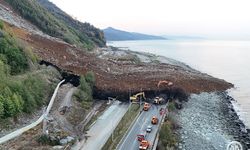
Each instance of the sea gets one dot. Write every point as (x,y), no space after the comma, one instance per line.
(228,60)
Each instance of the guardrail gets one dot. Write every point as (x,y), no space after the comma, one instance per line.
(20,131)
(156,139)
(129,128)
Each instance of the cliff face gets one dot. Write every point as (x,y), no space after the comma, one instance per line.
(117,72)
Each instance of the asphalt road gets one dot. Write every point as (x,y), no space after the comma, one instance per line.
(103,127)
(130,141)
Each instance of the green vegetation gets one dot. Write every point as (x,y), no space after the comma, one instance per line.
(17,94)
(84,93)
(122,127)
(20,95)
(1,24)
(167,138)
(54,26)
(11,54)
(129,57)
(46,140)
(171,106)
(90,78)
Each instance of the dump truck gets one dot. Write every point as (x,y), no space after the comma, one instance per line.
(158,100)
(146,106)
(136,98)
(144,145)
(154,120)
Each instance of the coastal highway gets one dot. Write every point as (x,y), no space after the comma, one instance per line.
(130,142)
(102,129)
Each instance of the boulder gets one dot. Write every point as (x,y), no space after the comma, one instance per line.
(66,140)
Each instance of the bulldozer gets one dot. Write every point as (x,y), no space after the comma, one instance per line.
(136,98)
(144,145)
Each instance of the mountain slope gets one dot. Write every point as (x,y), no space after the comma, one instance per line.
(112,34)
(82,28)
(54,25)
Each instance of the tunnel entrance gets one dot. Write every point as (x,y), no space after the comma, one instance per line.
(67,75)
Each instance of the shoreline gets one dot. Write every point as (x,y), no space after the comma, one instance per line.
(242,132)
(209,121)
(239,131)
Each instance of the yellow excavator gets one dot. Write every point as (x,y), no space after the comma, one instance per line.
(136,98)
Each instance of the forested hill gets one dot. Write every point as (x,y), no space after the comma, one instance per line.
(53,21)
(112,34)
(19,90)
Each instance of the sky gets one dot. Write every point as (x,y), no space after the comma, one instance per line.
(207,18)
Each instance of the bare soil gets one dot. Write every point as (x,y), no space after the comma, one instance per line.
(112,74)
(115,76)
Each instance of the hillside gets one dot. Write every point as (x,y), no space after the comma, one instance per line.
(112,34)
(53,21)
(87,29)
(27,39)
(22,88)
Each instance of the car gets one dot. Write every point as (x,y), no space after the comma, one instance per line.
(149,129)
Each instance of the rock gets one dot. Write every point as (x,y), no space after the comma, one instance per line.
(58,147)
(63,141)
(248,130)
(70,139)
(66,140)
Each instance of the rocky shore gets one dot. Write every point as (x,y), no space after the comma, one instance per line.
(208,121)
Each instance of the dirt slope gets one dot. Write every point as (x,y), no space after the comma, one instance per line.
(112,75)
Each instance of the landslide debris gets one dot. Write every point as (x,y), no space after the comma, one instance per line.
(117,72)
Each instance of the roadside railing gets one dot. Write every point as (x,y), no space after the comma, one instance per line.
(129,128)
(20,131)
(116,136)
(156,139)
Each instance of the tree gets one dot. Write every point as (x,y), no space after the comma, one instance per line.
(1,106)
(84,93)
(29,101)
(84,86)
(90,78)
(2,70)
(9,107)
(1,24)
(166,135)
(18,104)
